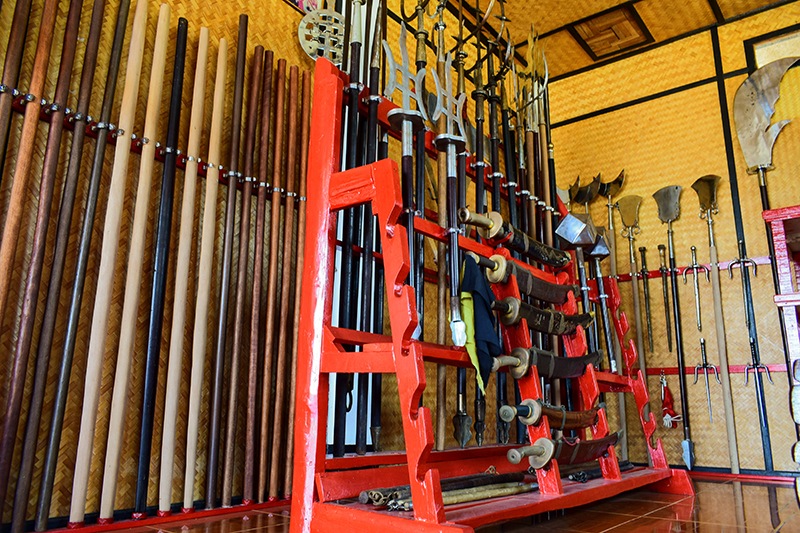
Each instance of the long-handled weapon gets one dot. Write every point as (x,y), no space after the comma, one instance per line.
(108,260)
(608,190)
(596,254)
(251,122)
(662,256)
(279,422)
(258,267)
(57,112)
(214,429)
(11,64)
(704,366)
(175,361)
(204,277)
(694,268)
(629,213)
(753,107)
(160,264)
(272,280)
(648,314)
(669,209)
(755,358)
(706,189)
(81,263)
(133,277)
(305,124)
(21,178)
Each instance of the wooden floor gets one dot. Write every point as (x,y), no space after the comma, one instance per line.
(717,507)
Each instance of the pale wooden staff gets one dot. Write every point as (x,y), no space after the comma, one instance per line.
(278,422)
(108,261)
(305,121)
(204,276)
(133,280)
(22,170)
(272,280)
(175,363)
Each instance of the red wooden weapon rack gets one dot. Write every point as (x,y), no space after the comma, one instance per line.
(325,488)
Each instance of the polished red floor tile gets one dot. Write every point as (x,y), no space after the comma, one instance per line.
(234,523)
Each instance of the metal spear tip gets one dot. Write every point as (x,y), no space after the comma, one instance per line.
(706,189)
(668,201)
(576,230)
(753,107)
(458,332)
(461,428)
(688,453)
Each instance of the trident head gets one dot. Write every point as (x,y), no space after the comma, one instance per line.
(406,77)
(444,104)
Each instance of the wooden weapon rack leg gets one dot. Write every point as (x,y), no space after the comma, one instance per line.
(321,483)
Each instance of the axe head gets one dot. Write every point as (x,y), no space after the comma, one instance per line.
(629,210)
(669,204)
(586,194)
(611,188)
(706,189)
(753,107)
(576,230)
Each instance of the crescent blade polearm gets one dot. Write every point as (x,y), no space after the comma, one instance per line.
(214,429)
(669,209)
(108,260)
(81,264)
(57,113)
(753,108)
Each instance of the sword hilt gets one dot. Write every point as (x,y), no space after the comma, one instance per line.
(695,267)
(743,261)
(756,367)
(662,258)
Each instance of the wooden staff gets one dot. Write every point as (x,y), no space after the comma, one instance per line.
(108,260)
(31,297)
(22,171)
(225,280)
(16,40)
(272,280)
(133,280)
(175,364)
(258,266)
(241,276)
(305,124)
(288,225)
(204,277)
(160,265)
(84,246)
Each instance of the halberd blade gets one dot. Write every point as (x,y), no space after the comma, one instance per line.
(611,188)
(706,189)
(629,210)
(668,201)
(753,107)
(574,188)
(586,194)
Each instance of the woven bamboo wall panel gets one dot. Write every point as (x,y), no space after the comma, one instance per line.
(731,36)
(668,18)
(680,63)
(564,54)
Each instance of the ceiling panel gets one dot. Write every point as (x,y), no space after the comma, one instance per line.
(732,8)
(669,18)
(564,54)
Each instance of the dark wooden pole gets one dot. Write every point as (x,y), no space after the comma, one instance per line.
(16,42)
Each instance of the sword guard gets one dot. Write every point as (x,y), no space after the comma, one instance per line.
(756,368)
(716,373)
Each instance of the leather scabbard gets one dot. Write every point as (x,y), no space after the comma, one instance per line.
(564,420)
(551,366)
(543,320)
(529,284)
(583,450)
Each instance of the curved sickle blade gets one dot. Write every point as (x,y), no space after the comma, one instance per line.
(611,188)
(586,194)
(668,201)
(753,107)
(706,189)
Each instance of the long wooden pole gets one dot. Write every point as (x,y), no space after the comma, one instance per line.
(16,42)
(31,297)
(272,280)
(305,124)
(279,421)
(133,280)
(160,265)
(59,256)
(108,260)
(258,267)
(241,276)
(22,171)
(204,277)
(175,364)
(212,464)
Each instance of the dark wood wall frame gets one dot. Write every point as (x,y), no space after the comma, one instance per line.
(750,44)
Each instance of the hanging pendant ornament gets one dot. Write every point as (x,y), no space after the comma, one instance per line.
(321,34)
(671,418)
